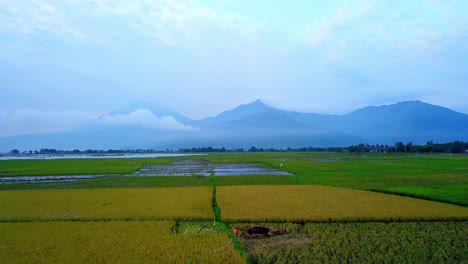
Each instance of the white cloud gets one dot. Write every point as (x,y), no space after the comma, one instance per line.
(143,118)
(328,26)
(171,22)
(406,27)
(24,122)
(30,17)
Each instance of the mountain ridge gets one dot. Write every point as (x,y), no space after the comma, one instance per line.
(259,124)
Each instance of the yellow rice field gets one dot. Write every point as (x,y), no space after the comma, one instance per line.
(319,203)
(113,242)
(107,204)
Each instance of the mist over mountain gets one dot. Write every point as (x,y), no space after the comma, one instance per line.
(155,109)
(147,125)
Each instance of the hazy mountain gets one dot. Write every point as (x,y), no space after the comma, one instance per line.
(406,121)
(146,125)
(242,111)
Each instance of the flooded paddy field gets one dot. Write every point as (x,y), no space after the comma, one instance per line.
(50,179)
(93,156)
(205,168)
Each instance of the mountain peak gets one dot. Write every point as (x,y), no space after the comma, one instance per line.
(256,104)
(258,101)
(244,110)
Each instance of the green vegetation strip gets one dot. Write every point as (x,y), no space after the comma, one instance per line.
(75,166)
(219,222)
(454,194)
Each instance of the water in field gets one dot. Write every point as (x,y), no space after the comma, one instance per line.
(94,156)
(49,179)
(204,168)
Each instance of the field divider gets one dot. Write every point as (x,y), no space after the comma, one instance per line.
(177,220)
(350,220)
(225,227)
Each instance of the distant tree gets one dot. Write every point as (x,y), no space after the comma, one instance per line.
(14,152)
(409,147)
(252,149)
(399,147)
(457,147)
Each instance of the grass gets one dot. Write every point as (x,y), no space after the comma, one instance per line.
(114,242)
(455,194)
(423,242)
(115,182)
(149,182)
(106,204)
(255,180)
(318,203)
(377,171)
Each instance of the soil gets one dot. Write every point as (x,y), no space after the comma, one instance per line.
(260,238)
(256,232)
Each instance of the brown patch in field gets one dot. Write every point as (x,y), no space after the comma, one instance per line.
(255,232)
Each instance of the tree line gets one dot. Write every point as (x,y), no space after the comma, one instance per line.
(398,147)
(429,147)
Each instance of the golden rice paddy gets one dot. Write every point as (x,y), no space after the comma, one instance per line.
(107,204)
(113,242)
(319,203)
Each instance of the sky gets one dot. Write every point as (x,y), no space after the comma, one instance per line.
(65,63)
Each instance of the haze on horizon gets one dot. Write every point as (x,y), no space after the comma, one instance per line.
(63,63)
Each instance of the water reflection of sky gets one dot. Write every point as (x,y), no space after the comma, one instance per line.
(117,156)
(203,168)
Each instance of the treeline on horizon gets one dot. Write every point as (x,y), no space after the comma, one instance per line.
(398,147)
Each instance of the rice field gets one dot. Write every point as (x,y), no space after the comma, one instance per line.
(75,166)
(107,204)
(409,242)
(141,219)
(114,242)
(319,203)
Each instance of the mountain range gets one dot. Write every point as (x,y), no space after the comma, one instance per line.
(146,125)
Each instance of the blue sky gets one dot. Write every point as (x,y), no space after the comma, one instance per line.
(62,63)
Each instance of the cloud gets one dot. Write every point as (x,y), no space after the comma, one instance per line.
(24,122)
(143,118)
(405,27)
(33,17)
(328,26)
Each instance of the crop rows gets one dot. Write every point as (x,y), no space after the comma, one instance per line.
(412,242)
(106,204)
(318,203)
(114,242)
